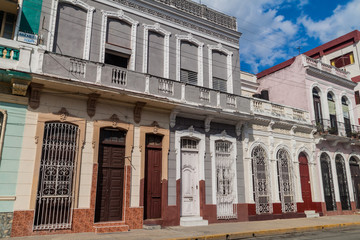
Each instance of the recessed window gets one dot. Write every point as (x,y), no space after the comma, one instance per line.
(357,97)
(188,76)
(7,24)
(219,84)
(343,60)
(117,59)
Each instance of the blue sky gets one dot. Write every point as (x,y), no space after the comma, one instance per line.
(272,30)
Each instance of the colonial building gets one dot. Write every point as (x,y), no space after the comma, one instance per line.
(343,53)
(327,93)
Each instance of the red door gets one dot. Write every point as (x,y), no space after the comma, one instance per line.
(153,178)
(305,181)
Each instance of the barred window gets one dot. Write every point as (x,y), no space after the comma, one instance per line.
(187,143)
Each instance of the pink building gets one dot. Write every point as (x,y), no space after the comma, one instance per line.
(327,93)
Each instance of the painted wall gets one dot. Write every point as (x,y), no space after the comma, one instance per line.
(10,158)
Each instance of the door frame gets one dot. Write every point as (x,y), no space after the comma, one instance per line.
(113,122)
(200,137)
(157,130)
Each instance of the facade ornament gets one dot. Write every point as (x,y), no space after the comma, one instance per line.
(191,130)
(208,123)
(91,104)
(292,131)
(63,114)
(19,86)
(137,111)
(173,115)
(114,119)
(223,135)
(34,99)
(270,126)
(93,144)
(156,126)
(36,139)
(238,128)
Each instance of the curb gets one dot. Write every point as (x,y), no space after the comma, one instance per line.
(250,234)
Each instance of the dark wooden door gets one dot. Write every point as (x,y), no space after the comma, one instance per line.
(355,177)
(305,182)
(110,184)
(153,183)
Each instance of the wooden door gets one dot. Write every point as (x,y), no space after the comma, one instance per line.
(189,184)
(110,183)
(355,177)
(153,166)
(305,182)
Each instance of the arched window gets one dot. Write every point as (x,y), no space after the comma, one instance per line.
(342,182)
(333,129)
(346,114)
(317,109)
(355,177)
(54,200)
(286,187)
(225,174)
(261,182)
(328,184)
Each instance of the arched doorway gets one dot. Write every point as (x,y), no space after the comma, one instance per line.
(328,184)
(342,182)
(355,177)
(305,181)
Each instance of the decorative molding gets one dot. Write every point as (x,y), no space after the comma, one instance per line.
(238,128)
(35,91)
(63,112)
(191,130)
(292,130)
(173,115)
(52,24)
(91,104)
(137,111)
(207,123)
(229,80)
(7,198)
(121,16)
(156,28)
(170,18)
(200,45)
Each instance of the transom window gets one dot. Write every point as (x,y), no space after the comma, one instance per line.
(190,144)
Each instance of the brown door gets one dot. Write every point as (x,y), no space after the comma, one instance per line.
(355,177)
(110,184)
(305,181)
(153,178)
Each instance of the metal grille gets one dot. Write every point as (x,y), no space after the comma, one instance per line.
(188,76)
(261,181)
(219,84)
(343,184)
(286,183)
(225,195)
(54,201)
(328,183)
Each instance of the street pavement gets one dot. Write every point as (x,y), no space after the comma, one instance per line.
(240,230)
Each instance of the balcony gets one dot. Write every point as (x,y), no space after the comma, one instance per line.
(266,108)
(136,83)
(308,61)
(14,55)
(336,130)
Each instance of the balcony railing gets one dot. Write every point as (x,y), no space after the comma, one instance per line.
(120,78)
(262,107)
(325,126)
(308,61)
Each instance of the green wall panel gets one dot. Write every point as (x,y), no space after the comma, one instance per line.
(10,158)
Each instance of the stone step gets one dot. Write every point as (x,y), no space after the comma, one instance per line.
(151,226)
(108,229)
(193,221)
(311,214)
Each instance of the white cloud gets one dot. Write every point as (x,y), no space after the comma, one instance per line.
(345,18)
(265,32)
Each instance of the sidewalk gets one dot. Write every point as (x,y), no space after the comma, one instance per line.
(220,231)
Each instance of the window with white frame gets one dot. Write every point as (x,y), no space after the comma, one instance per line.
(188,63)
(286,187)
(225,177)
(261,180)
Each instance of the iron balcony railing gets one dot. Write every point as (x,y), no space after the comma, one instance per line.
(326,126)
